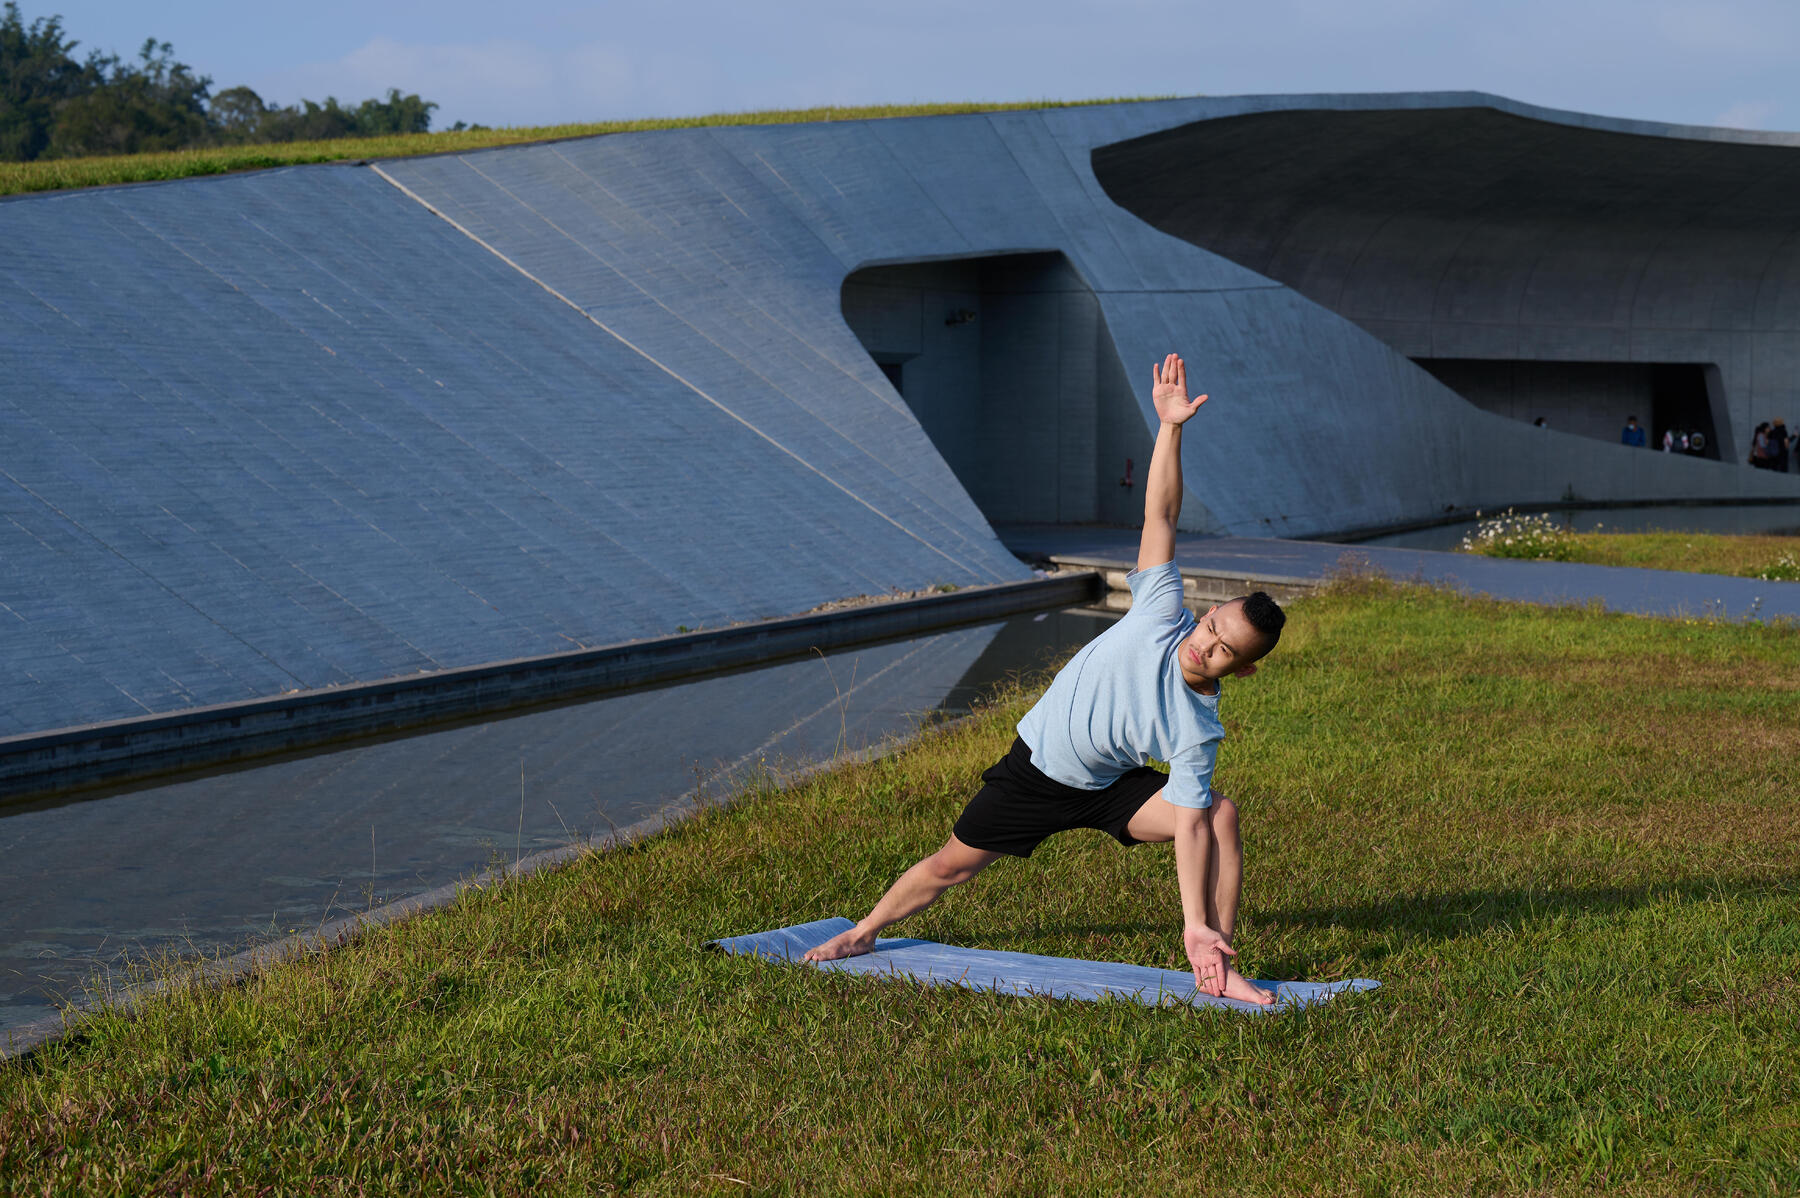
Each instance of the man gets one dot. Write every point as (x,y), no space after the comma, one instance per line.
(1146,687)
(1633,433)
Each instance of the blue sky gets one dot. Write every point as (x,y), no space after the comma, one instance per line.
(529,62)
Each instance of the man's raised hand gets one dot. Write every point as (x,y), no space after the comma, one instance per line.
(1169,391)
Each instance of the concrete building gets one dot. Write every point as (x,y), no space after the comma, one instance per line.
(285,430)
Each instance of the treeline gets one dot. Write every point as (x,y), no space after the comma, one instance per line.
(55,106)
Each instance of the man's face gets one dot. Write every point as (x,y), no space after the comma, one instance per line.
(1222,643)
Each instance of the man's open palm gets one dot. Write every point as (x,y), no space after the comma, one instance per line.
(1169,392)
(1207,954)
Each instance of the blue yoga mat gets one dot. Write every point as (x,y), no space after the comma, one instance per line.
(1021,973)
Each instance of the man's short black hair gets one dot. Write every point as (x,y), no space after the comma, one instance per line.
(1265,615)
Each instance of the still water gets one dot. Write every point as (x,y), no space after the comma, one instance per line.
(214,863)
(1775,518)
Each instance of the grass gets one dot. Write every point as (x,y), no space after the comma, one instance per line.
(1564,841)
(1702,553)
(1743,556)
(54,174)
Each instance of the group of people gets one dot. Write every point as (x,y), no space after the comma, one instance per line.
(1674,440)
(1772,448)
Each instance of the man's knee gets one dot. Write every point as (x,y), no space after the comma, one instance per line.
(1224,818)
(956,863)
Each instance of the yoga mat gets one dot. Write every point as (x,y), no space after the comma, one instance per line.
(1021,973)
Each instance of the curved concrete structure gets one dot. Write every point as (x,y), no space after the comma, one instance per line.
(1322,426)
(329,424)
(1504,234)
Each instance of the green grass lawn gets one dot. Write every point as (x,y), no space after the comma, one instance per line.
(1565,842)
(52,174)
(1744,556)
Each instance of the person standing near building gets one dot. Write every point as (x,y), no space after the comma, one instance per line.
(1146,687)
(1633,433)
(1778,445)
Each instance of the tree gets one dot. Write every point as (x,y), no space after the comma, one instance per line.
(38,75)
(237,115)
(307,121)
(155,104)
(52,105)
(399,114)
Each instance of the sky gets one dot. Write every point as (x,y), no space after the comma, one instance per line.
(541,62)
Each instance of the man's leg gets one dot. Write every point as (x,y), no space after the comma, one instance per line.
(916,890)
(1154,823)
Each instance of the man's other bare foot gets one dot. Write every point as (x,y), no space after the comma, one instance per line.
(853,943)
(1239,987)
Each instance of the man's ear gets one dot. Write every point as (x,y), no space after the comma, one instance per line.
(1243,672)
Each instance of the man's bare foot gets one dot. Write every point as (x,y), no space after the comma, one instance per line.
(1239,987)
(853,943)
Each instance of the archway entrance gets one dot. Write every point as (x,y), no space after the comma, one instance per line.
(1008,365)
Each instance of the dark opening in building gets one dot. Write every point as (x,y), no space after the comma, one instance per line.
(1592,399)
(1009,367)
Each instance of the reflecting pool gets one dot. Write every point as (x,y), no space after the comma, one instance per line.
(213,863)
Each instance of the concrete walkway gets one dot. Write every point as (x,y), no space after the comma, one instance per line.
(1619,588)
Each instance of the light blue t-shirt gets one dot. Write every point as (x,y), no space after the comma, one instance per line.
(1122,700)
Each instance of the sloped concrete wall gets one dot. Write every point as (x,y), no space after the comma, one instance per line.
(288,430)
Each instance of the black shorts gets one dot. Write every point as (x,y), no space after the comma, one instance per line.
(1019,808)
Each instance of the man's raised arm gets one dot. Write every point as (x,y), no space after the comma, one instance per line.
(1162,483)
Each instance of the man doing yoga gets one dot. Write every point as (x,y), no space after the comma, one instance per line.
(1146,687)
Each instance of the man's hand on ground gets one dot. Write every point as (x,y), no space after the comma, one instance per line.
(1169,391)
(1206,952)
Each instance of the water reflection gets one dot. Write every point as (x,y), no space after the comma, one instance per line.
(211,863)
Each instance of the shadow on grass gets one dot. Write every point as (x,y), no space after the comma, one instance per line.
(1408,920)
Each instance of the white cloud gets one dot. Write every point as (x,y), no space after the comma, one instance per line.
(1746,114)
